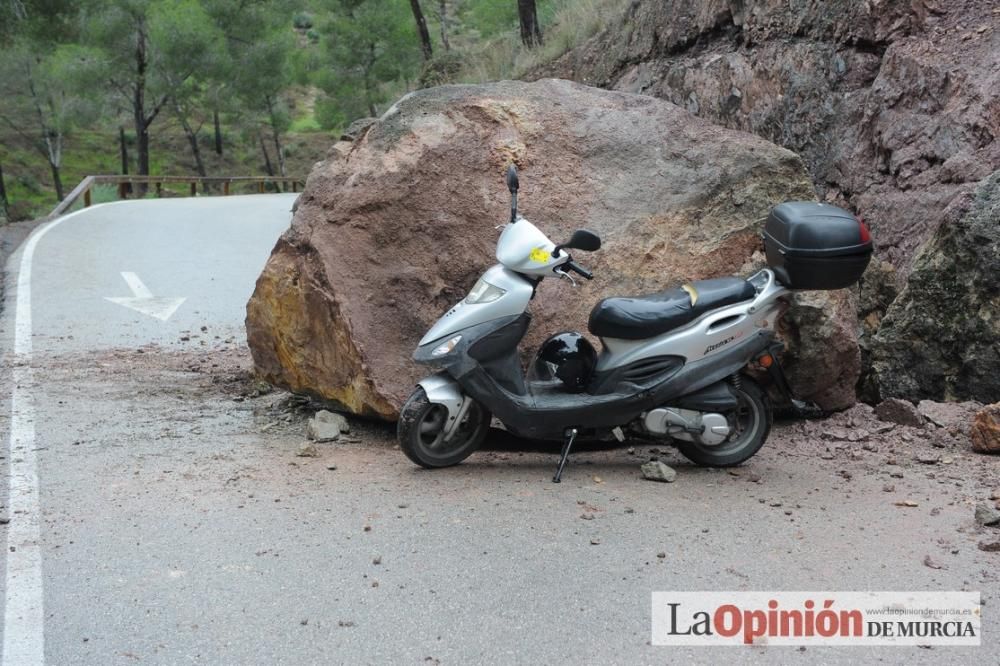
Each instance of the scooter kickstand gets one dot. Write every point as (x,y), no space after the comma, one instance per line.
(570,436)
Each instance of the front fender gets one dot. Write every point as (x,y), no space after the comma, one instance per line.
(442,389)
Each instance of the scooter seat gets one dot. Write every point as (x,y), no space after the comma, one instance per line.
(642,317)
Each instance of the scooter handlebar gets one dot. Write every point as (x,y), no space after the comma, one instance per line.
(577,268)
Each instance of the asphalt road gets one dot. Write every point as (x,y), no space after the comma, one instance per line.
(176,524)
(208,251)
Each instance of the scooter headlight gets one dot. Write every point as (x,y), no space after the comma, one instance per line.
(447,347)
(484,292)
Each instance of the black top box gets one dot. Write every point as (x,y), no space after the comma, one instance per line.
(813,245)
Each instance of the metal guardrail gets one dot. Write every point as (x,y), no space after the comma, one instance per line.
(125,186)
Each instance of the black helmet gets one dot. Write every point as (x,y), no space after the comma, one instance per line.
(568,357)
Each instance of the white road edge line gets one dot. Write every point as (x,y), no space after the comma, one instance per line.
(23,618)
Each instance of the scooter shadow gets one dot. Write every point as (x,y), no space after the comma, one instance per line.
(501,441)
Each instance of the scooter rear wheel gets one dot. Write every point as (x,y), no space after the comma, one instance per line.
(753,424)
(421,426)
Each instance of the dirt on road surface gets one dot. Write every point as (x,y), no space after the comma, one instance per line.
(179,510)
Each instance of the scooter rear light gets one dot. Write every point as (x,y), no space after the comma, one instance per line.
(865,234)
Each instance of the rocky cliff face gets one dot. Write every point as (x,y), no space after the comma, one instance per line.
(894,106)
(941,336)
(395,227)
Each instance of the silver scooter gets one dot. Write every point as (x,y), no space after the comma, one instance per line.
(673,365)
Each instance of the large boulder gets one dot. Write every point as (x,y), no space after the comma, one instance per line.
(395,227)
(939,338)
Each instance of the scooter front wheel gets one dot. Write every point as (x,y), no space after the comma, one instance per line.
(752,421)
(421,432)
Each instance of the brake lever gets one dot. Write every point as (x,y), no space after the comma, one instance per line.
(566,275)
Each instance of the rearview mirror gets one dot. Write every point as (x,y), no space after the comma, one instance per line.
(581,239)
(512,179)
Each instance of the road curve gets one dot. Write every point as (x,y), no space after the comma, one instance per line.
(207,250)
(85,282)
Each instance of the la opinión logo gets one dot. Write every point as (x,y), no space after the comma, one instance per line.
(817,618)
(730,620)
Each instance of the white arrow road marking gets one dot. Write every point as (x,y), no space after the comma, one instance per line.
(143,301)
(139,290)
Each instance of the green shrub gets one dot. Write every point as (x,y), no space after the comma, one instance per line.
(103,193)
(30,183)
(302,21)
(305,124)
(18,211)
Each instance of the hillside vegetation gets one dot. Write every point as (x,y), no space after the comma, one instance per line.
(211,87)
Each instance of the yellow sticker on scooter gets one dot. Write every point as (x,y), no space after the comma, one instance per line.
(539,255)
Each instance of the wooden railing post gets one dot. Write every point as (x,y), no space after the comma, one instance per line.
(225,188)
(86,198)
